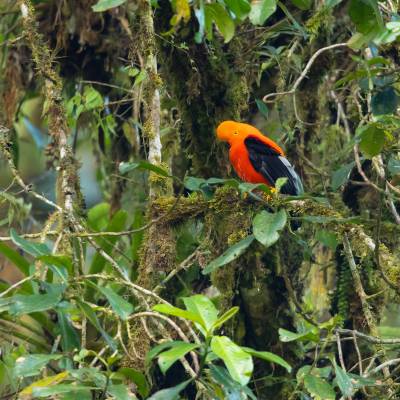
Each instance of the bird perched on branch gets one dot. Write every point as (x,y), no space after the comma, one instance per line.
(256,158)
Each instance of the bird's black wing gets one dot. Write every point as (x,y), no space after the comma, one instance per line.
(269,163)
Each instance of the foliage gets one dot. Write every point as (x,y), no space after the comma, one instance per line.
(175,280)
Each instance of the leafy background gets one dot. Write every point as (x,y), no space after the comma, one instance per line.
(134,263)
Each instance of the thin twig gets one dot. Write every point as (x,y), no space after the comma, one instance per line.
(304,73)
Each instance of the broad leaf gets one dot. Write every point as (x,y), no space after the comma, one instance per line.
(92,98)
(69,337)
(178,312)
(267,356)
(32,364)
(32,248)
(182,10)
(372,139)
(232,389)
(103,5)
(45,383)
(171,393)
(344,381)
(15,258)
(120,392)
(217,13)
(138,378)
(365,15)
(229,255)
(327,238)
(238,362)
(340,176)
(204,308)
(26,304)
(126,167)
(384,102)
(287,336)
(261,10)
(120,306)
(240,8)
(169,357)
(319,387)
(266,226)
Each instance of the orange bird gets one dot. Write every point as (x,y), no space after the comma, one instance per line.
(256,158)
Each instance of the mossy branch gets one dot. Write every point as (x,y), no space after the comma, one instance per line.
(68,183)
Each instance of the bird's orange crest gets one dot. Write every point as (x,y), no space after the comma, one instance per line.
(236,132)
(229,131)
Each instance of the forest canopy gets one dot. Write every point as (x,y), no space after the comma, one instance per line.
(135,263)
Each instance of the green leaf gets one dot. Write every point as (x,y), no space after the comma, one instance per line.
(156,350)
(69,336)
(98,216)
(92,98)
(178,312)
(394,166)
(280,183)
(238,362)
(225,317)
(32,364)
(216,12)
(365,15)
(103,5)
(15,258)
(120,392)
(266,226)
(34,249)
(307,370)
(302,4)
(61,389)
(262,108)
(240,8)
(171,393)
(327,238)
(267,356)
(140,78)
(204,308)
(138,378)
(26,304)
(343,380)
(125,167)
(169,357)
(384,102)
(232,389)
(319,387)
(261,10)
(372,139)
(44,383)
(92,317)
(340,176)
(229,255)
(309,335)
(120,306)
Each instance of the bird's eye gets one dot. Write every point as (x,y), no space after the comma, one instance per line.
(236,133)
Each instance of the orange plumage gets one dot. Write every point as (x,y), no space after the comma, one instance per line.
(256,158)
